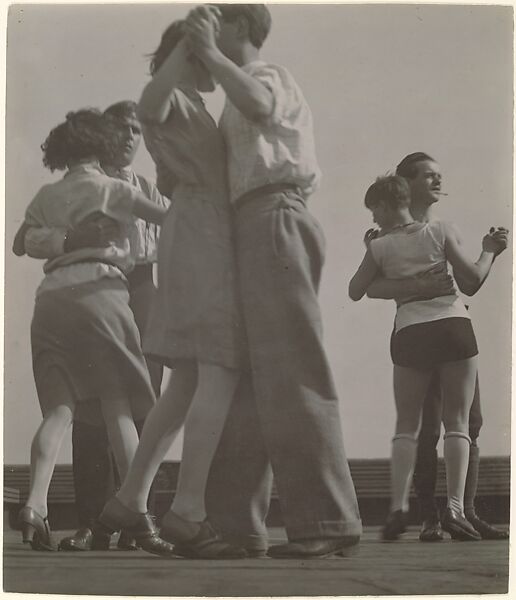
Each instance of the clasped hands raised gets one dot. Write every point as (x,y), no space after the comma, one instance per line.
(496,240)
(201,29)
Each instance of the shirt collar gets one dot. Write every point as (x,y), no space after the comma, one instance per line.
(85,167)
(124,173)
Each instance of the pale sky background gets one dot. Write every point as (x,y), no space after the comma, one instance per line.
(382,81)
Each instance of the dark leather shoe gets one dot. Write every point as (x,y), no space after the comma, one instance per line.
(395,525)
(116,516)
(487,532)
(317,548)
(205,543)
(459,527)
(126,542)
(431,531)
(84,540)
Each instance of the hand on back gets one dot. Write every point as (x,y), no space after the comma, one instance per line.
(370,235)
(98,231)
(436,282)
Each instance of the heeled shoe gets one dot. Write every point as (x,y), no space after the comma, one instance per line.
(205,544)
(459,527)
(395,525)
(35,530)
(85,540)
(116,516)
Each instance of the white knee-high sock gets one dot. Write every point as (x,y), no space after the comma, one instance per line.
(404,446)
(456,458)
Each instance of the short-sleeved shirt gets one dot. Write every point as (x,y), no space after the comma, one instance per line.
(44,242)
(279,149)
(408,253)
(84,191)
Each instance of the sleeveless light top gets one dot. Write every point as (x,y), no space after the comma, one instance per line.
(402,254)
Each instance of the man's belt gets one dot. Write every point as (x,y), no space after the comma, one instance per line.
(266,190)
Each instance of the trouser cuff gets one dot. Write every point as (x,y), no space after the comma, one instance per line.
(249,542)
(323,529)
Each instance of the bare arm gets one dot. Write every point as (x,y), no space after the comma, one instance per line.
(469,275)
(363,278)
(154,105)
(253,99)
(393,289)
(435,282)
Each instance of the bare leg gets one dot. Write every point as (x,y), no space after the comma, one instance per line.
(47,442)
(129,509)
(203,428)
(410,388)
(161,428)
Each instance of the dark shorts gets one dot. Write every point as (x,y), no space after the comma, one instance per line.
(426,345)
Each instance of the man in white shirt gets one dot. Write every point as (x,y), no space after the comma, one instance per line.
(272,170)
(424,177)
(90,447)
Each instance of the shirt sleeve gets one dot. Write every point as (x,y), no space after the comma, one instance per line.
(118,201)
(40,240)
(284,91)
(34,216)
(44,242)
(160,199)
(154,194)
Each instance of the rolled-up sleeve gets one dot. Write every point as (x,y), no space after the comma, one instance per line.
(283,89)
(40,240)
(159,198)
(44,242)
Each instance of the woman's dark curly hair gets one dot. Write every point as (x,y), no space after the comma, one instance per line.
(169,40)
(86,133)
